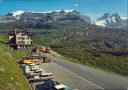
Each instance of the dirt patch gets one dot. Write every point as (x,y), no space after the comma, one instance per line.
(2,69)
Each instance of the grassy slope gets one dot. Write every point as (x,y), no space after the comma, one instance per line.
(11,77)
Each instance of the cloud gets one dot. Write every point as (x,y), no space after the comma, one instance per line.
(76,5)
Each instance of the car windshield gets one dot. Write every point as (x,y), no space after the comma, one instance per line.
(50,83)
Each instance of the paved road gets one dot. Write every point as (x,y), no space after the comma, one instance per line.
(66,77)
(100,78)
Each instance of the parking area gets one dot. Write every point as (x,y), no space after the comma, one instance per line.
(44,73)
(40,79)
(45,76)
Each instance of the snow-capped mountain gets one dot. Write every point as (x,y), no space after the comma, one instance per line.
(17,13)
(54,15)
(51,19)
(111,20)
(20,12)
(31,18)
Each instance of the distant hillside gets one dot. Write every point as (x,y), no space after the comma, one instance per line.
(104,48)
(11,77)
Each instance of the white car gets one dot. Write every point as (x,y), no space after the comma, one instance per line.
(62,87)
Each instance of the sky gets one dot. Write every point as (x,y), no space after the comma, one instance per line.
(92,8)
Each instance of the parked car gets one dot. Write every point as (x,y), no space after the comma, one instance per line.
(62,87)
(52,85)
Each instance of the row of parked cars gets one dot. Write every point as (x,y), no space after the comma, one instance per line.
(36,74)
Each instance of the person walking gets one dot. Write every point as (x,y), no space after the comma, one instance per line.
(54,60)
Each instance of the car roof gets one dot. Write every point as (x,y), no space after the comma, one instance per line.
(60,86)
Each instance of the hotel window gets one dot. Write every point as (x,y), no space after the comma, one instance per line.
(27,37)
(23,38)
(19,42)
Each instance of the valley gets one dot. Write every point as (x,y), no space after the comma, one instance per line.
(73,36)
(63,44)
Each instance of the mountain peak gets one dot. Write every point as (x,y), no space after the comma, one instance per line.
(106,15)
(19,12)
(116,15)
(110,20)
(16,13)
(109,15)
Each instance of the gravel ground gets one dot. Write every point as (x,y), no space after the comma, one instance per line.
(69,78)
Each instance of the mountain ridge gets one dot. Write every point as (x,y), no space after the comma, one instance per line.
(57,14)
(111,20)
